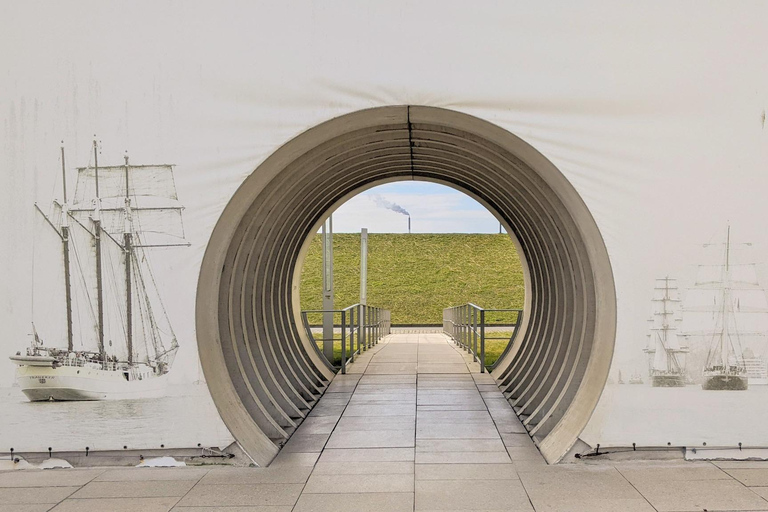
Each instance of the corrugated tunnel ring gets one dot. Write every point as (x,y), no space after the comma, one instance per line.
(262,372)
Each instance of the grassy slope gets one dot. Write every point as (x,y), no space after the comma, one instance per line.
(416,276)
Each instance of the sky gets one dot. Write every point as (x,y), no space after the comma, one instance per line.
(433,209)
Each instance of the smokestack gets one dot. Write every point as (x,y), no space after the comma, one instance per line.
(409,224)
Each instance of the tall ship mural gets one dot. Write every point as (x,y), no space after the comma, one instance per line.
(666,356)
(100,327)
(726,311)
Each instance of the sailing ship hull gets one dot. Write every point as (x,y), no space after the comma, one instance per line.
(725,383)
(668,381)
(70,383)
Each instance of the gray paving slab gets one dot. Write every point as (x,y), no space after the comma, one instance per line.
(34,495)
(295,459)
(639,473)
(465,472)
(391,368)
(233,509)
(305,443)
(456,431)
(135,489)
(741,464)
(364,423)
(270,475)
(368,455)
(317,425)
(591,505)
(364,468)
(387,386)
(48,477)
(563,483)
(387,409)
(516,440)
(477,406)
(453,445)
(446,384)
(151,474)
(37,507)
(324,408)
(373,439)
(441,415)
(458,457)
(355,502)
(524,453)
(370,379)
(332,484)
(751,477)
(384,396)
(682,495)
(242,495)
(163,504)
(443,368)
(480,495)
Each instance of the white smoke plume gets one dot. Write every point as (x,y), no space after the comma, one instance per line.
(389,205)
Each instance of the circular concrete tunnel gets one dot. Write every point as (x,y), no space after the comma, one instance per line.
(263,373)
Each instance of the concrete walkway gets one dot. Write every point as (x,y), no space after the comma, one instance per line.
(412,426)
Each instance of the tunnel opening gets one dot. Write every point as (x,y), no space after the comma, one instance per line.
(262,371)
(454,252)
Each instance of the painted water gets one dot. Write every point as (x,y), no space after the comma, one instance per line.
(186,417)
(687,416)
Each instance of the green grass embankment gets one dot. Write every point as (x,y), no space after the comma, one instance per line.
(416,276)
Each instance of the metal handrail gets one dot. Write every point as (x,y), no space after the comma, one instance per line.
(466,324)
(360,323)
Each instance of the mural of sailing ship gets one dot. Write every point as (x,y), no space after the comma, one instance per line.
(666,357)
(102,330)
(728,301)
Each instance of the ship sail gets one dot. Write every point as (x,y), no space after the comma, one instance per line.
(666,352)
(138,210)
(108,328)
(48,289)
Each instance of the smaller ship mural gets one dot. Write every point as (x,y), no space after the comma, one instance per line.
(666,357)
(729,303)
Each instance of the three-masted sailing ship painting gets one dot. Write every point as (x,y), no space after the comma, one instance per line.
(102,331)
(666,355)
(727,313)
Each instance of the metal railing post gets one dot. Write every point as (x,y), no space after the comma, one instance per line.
(474,334)
(482,341)
(460,327)
(360,329)
(343,343)
(457,325)
(352,335)
(466,328)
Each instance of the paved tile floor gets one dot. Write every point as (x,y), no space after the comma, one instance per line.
(413,426)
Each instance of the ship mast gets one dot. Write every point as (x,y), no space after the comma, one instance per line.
(127,240)
(724,335)
(65,244)
(97,236)
(665,323)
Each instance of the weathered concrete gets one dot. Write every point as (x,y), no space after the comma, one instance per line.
(396,452)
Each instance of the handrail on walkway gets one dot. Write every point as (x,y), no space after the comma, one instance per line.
(467,323)
(359,323)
